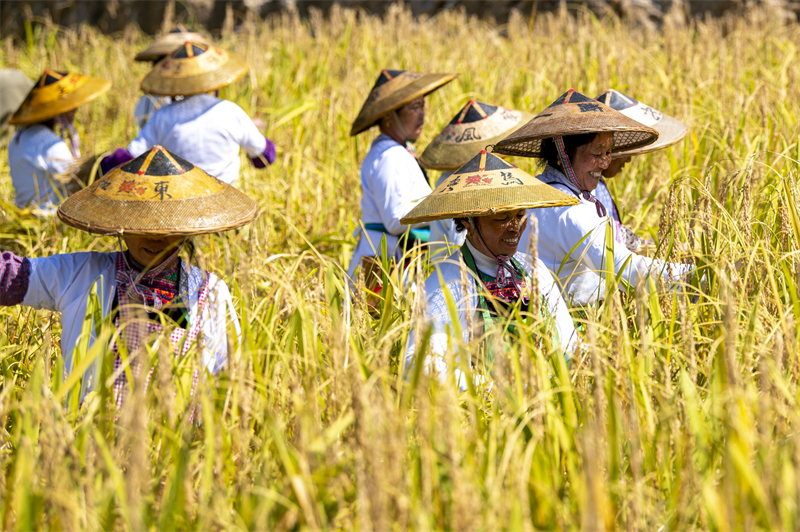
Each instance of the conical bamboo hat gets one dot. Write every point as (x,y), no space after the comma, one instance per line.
(194,68)
(56,93)
(670,130)
(393,90)
(575,114)
(158,193)
(168,43)
(473,128)
(486,185)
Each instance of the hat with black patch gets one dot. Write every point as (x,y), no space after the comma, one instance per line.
(56,93)
(194,68)
(168,43)
(474,127)
(574,114)
(670,130)
(157,193)
(486,185)
(393,90)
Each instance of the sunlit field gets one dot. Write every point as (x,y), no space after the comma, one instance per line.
(676,415)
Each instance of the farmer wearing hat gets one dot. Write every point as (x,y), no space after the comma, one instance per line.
(575,138)
(36,154)
(670,131)
(473,128)
(199,126)
(486,199)
(155,204)
(392,181)
(158,50)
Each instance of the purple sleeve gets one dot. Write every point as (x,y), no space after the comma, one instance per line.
(15,272)
(267,155)
(120,156)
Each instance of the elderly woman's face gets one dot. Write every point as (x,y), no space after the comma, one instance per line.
(412,116)
(500,232)
(150,251)
(591,159)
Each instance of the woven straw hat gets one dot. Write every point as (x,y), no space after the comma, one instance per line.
(168,43)
(56,93)
(670,130)
(574,114)
(14,86)
(194,68)
(393,90)
(486,185)
(158,193)
(473,128)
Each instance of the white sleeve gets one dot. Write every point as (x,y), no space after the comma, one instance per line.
(443,340)
(249,137)
(58,158)
(146,139)
(57,277)
(577,223)
(218,314)
(559,310)
(394,179)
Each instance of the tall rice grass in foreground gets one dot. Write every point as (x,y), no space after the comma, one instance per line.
(677,415)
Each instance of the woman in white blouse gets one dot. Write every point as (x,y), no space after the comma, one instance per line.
(575,137)
(155,203)
(486,199)
(392,181)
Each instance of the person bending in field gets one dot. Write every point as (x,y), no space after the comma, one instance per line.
(154,203)
(575,138)
(36,154)
(158,50)
(198,126)
(670,131)
(392,181)
(487,198)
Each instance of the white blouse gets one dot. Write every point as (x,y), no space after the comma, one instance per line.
(392,183)
(63,283)
(578,226)
(204,130)
(437,313)
(35,156)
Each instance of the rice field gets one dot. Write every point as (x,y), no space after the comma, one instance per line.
(677,415)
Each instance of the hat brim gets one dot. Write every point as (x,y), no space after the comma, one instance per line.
(440,156)
(487,202)
(193,216)
(374,111)
(232,70)
(670,131)
(167,44)
(91,90)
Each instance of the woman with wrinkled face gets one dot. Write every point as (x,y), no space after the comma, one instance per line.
(491,211)
(575,241)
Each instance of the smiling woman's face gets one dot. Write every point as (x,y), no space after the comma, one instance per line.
(150,251)
(500,232)
(591,159)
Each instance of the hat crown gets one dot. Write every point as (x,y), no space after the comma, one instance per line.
(473,112)
(571,96)
(189,50)
(484,162)
(50,77)
(386,76)
(617,100)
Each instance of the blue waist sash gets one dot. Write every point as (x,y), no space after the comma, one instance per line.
(423,234)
